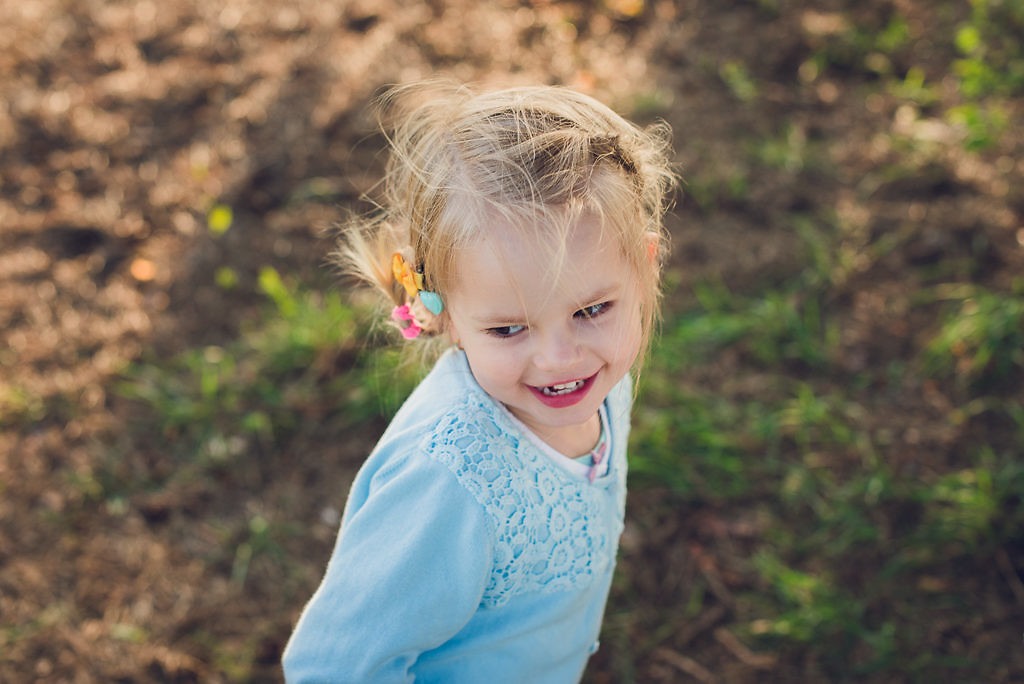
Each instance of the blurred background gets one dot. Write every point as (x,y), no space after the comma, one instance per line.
(826,476)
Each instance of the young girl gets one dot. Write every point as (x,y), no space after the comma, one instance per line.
(521,228)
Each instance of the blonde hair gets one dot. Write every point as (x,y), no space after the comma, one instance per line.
(535,158)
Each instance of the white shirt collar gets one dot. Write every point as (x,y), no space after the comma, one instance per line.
(561,460)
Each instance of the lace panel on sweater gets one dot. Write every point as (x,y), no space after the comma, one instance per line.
(548,528)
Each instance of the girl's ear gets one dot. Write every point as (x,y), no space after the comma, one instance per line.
(653,242)
(453,334)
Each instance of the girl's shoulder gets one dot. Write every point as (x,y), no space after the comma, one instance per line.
(444,391)
(414,453)
(439,419)
(619,403)
(448,411)
(622,394)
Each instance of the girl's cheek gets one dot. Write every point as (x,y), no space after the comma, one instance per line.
(625,330)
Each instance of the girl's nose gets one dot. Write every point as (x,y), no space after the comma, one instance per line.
(557,350)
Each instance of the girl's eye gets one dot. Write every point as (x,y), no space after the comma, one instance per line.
(506,330)
(594,310)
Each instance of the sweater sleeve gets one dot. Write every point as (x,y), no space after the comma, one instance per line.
(407,573)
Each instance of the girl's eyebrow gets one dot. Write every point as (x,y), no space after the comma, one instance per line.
(601,293)
(498,321)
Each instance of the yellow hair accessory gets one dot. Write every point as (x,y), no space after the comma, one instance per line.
(404,274)
(412,281)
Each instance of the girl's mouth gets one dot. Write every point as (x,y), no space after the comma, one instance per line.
(563,394)
(564,388)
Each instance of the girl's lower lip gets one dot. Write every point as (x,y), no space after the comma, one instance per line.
(564,400)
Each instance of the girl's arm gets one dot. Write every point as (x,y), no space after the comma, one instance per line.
(407,573)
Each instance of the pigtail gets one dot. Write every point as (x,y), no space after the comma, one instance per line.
(364,249)
(387,250)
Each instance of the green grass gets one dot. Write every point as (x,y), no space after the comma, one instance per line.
(804,458)
(739,80)
(992,56)
(302,362)
(19,405)
(854,550)
(981,341)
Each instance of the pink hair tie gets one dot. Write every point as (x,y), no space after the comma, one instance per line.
(402,314)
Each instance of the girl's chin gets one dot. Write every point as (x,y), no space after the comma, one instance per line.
(541,419)
(565,434)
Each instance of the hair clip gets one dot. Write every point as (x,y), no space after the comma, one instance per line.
(412,281)
(402,314)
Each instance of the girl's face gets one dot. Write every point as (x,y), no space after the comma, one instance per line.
(548,345)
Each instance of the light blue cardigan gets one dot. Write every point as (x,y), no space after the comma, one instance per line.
(466,553)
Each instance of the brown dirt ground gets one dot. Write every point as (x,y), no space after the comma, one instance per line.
(122,123)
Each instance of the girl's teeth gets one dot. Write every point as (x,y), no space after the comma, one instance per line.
(564,388)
